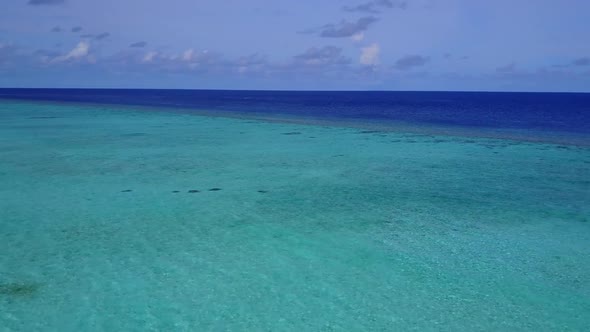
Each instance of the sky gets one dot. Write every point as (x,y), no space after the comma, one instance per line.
(445,45)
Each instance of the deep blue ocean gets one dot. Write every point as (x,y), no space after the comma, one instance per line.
(551,112)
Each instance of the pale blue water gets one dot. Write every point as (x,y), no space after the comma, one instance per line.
(294,227)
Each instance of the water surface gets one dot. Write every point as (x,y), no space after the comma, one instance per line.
(115,218)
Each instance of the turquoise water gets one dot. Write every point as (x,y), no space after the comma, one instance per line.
(293,228)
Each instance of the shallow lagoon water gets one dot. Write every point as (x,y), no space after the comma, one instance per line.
(312,228)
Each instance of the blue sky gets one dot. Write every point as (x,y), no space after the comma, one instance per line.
(525,45)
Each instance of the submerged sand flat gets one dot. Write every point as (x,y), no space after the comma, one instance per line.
(118,219)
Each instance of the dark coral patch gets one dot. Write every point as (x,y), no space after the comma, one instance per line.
(263,191)
(175,191)
(192,191)
(215,189)
(20,289)
(292,133)
(126,191)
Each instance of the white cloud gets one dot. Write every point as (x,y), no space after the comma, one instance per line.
(80,52)
(188,54)
(149,56)
(188,59)
(370,55)
(357,37)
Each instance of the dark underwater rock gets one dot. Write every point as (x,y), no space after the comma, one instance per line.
(20,289)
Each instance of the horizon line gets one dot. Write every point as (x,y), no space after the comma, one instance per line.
(289,90)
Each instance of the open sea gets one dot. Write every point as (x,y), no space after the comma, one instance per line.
(183,210)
